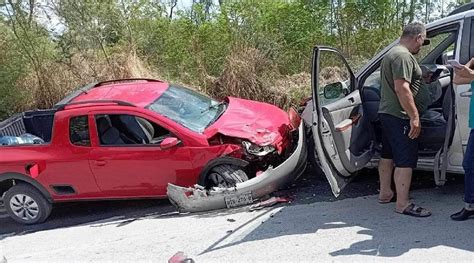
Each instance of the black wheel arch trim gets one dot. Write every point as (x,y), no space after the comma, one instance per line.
(29,180)
(219,161)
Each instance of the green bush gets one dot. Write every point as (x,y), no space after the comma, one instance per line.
(197,46)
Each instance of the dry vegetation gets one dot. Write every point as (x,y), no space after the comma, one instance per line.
(247,74)
(59,78)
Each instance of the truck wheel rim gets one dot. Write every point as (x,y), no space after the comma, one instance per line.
(24,207)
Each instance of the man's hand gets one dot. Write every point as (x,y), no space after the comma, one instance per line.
(415,128)
(464,72)
(470,64)
(402,88)
(427,77)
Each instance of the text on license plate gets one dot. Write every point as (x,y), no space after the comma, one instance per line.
(238,200)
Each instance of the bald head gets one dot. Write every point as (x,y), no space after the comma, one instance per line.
(413,30)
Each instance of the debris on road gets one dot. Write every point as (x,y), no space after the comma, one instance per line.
(180,257)
(269,202)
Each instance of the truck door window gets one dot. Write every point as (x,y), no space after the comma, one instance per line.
(79,131)
(439,50)
(124,129)
(333,71)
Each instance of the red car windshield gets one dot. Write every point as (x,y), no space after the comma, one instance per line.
(188,108)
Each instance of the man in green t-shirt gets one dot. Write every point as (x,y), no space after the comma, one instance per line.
(403,96)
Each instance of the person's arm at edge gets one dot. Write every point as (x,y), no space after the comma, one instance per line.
(458,80)
(405,96)
(464,75)
(470,64)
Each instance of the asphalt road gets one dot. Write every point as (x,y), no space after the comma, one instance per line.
(310,187)
(3,213)
(153,230)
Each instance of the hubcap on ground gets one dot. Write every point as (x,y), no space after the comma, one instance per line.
(24,207)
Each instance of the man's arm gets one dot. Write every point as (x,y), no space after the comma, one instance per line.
(402,89)
(465,74)
(458,80)
(470,64)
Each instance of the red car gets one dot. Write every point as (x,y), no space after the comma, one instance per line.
(131,138)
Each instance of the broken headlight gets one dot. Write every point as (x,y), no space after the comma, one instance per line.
(257,150)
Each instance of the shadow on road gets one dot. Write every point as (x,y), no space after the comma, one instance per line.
(124,212)
(362,226)
(73,214)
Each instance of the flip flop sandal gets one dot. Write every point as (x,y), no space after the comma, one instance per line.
(416,211)
(392,200)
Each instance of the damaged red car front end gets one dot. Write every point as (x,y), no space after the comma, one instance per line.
(272,147)
(262,130)
(259,123)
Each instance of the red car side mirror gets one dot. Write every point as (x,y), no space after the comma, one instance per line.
(169,142)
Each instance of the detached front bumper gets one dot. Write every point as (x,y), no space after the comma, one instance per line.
(196,199)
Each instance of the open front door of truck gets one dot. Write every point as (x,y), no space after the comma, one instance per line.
(343,138)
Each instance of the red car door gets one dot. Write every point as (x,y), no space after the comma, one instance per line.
(129,160)
(67,172)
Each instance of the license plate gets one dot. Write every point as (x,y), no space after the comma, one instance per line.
(238,200)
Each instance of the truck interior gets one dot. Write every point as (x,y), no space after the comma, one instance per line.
(434,121)
(342,115)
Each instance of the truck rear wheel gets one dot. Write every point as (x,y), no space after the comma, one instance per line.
(26,205)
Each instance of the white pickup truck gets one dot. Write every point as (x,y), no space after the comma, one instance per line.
(342,115)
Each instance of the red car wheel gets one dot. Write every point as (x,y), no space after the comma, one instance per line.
(225,176)
(26,205)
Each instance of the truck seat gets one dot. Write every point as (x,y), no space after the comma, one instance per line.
(108,134)
(433,122)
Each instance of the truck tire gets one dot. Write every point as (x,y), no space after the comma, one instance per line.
(225,176)
(26,205)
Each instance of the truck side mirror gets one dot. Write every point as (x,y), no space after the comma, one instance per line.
(333,90)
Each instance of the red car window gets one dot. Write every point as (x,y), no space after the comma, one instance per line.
(125,129)
(79,131)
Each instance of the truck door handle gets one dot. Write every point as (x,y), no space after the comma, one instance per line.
(466,94)
(100,162)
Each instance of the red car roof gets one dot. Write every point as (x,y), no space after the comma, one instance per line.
(139,93)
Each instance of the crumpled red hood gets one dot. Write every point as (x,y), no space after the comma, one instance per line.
(258,122)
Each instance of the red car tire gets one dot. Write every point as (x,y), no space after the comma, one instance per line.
(26,205)
(225,176)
